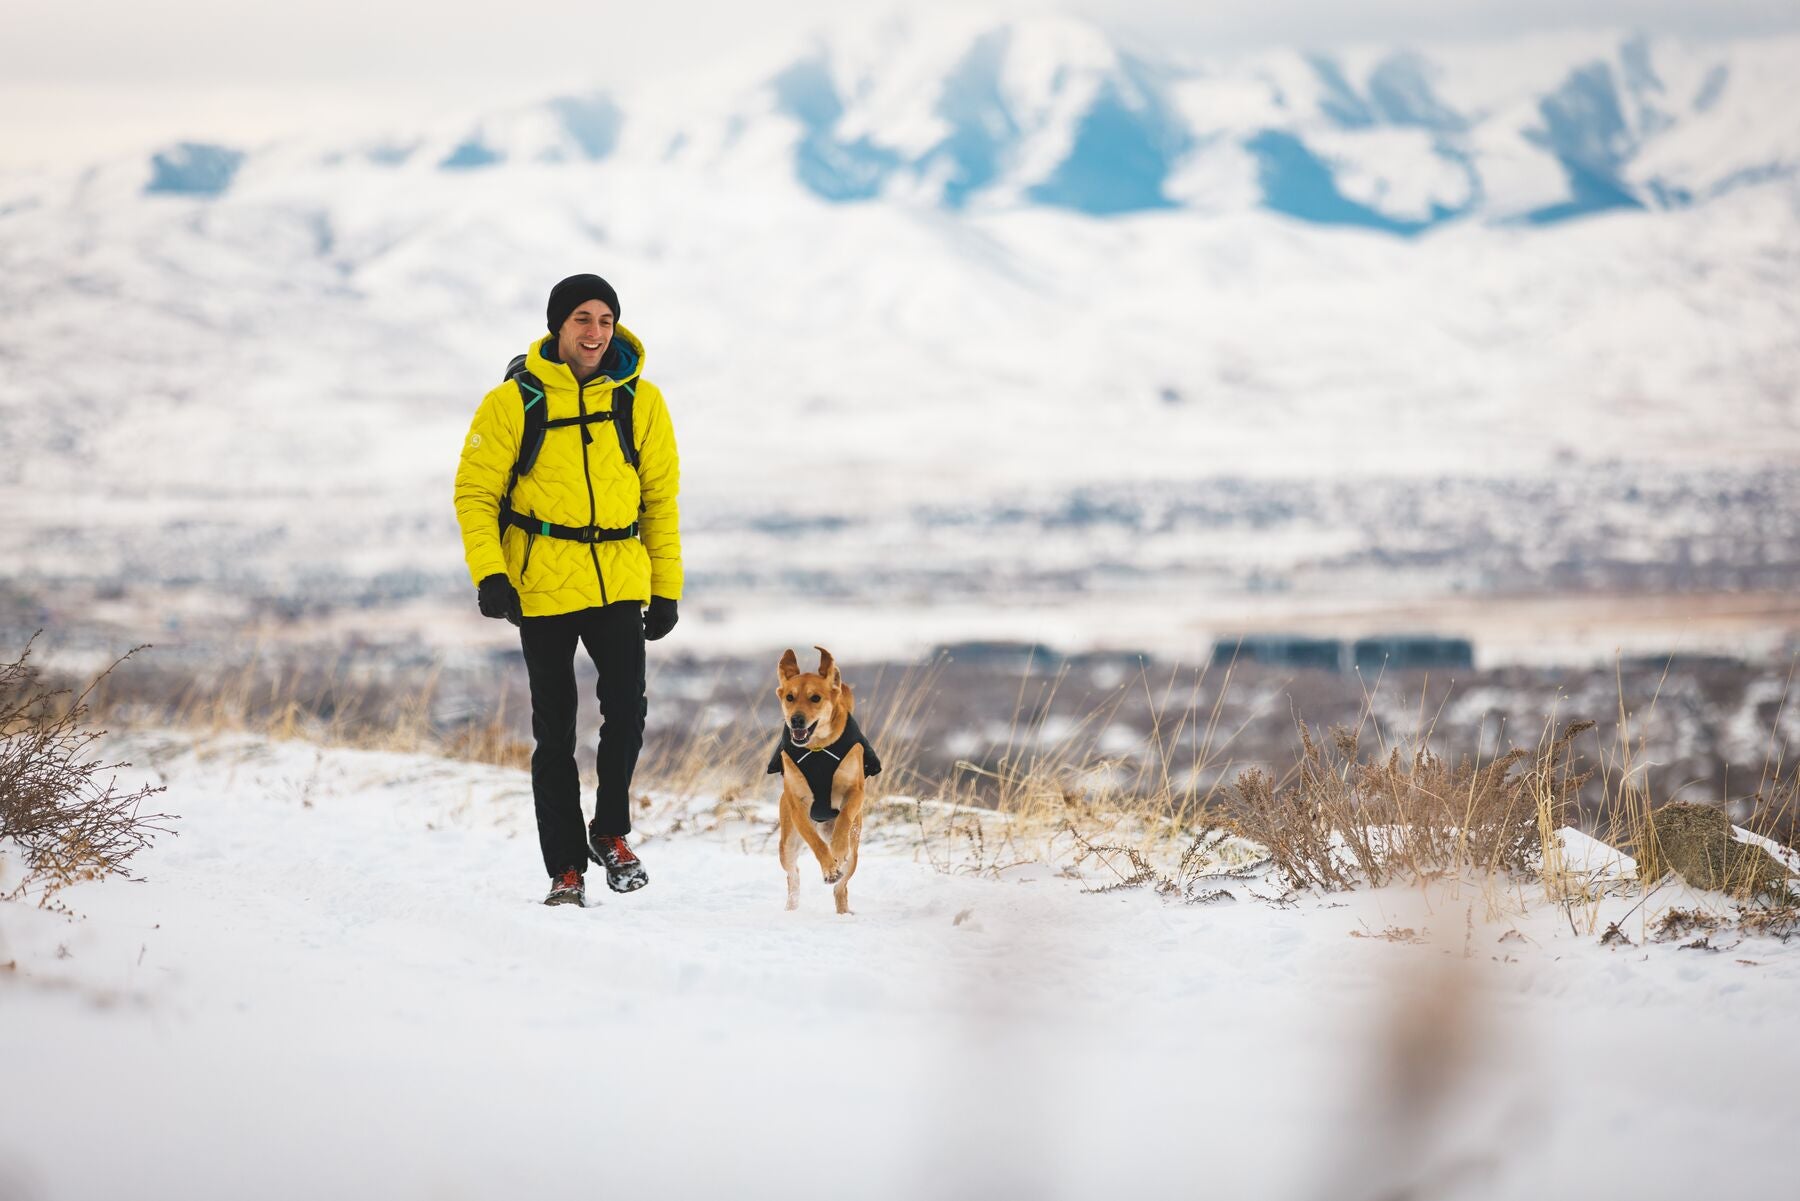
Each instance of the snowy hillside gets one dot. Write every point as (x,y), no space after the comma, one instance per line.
(338,981)
(949,260)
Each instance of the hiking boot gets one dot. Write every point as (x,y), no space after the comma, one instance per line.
(624,871)
(567,889)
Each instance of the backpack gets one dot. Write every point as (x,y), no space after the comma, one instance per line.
(537,424)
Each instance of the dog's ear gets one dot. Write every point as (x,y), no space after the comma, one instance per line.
(790,666)
(828,668)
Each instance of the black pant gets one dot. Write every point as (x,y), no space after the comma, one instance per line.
(614,637)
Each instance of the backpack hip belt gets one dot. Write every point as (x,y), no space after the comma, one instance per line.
(569,533)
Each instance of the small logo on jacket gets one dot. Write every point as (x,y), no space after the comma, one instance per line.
(474,441)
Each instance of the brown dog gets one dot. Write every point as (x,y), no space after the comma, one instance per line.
(823,759)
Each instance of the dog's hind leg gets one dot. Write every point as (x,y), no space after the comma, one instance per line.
(789,846)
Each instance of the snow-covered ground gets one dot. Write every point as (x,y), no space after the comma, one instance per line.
(337,981)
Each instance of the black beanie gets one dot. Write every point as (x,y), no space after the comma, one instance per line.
(574,292)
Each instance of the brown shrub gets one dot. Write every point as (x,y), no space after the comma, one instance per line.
(59,805)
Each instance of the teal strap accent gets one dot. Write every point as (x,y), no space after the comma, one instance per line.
(546,529)
(536,394)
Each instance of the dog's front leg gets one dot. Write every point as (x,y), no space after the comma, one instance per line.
(848,822)
(829,863)
(800,791)
(846,842)
(841,891)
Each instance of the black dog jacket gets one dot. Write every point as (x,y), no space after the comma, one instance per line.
(818,766)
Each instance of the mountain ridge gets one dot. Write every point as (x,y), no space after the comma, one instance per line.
(978,112)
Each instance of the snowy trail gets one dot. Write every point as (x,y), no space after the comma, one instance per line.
(338,982)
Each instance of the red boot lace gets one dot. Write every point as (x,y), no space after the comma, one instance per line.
(569,879)
(620,851)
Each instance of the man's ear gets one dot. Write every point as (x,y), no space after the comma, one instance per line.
(790,666)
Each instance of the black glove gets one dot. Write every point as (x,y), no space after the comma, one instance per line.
(659,618)
(498,598)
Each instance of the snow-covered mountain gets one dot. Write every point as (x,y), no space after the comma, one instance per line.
(986,263)
(968,111)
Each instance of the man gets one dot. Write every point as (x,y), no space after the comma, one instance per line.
(582,544)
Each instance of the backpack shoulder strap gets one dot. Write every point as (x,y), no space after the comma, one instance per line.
(622,398)
(531,395)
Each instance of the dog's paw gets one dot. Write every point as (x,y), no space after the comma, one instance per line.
(834,873)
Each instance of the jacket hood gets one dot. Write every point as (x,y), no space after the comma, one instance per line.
(622,363)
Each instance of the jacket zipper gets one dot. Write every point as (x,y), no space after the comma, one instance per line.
(587,476)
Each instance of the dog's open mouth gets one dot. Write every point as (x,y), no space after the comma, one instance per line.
(800,735)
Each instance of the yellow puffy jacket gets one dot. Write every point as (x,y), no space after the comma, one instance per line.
(576,481)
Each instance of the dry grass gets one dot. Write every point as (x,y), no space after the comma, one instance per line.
(1142,815)
(1676,924)
(340,703)
(1770,921)
(1344,820)
(1173,810)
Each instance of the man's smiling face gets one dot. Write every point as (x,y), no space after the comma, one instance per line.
(584,337)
